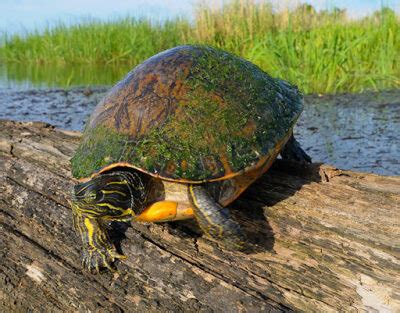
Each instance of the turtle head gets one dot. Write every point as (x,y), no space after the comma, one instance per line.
(115,195)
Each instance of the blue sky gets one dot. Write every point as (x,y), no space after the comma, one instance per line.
(17,15)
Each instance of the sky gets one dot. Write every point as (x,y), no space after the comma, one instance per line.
(20,15)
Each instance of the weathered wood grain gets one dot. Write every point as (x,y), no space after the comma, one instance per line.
(325,240)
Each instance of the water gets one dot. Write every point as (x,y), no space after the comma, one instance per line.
(39,76)
(63,108)
(354,131)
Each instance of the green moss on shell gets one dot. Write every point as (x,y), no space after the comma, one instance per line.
(233,110)
(100,147)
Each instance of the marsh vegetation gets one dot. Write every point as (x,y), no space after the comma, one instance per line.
(321,52)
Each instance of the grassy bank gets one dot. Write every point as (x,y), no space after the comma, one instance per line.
(321,52)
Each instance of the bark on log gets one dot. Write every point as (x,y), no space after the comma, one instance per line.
(327,240)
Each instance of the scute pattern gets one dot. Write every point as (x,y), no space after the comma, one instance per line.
(191,113)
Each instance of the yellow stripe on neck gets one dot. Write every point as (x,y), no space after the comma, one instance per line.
(110,206)
(107,192)
(124,182)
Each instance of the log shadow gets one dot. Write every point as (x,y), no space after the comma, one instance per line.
(117,232)
(282,181)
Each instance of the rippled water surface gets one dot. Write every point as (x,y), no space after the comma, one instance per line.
(355,131)
(358,132)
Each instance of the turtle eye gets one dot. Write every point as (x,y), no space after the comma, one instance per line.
(91,196)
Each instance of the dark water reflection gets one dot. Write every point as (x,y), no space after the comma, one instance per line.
(356,131)
(40,76)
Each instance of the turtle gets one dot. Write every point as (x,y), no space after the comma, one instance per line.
(181,136)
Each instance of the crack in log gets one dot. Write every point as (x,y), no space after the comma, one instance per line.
(48,197)
(48,168)
(56,257)
(11,150)
(289,289)
(18,233)
(7,214)
(218,276)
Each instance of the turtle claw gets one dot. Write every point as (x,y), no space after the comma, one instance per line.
(293,151)
(96,260)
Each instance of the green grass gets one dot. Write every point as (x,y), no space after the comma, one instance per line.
(321,52)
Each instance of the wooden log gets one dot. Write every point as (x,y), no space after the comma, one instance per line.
(326,240)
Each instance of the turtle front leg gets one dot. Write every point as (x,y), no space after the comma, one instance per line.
(215,220)
(293,151)
(98,250)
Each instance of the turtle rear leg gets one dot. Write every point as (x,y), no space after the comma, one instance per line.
(215,220)
(293,151)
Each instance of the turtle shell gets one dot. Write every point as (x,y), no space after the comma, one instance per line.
(190,114)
